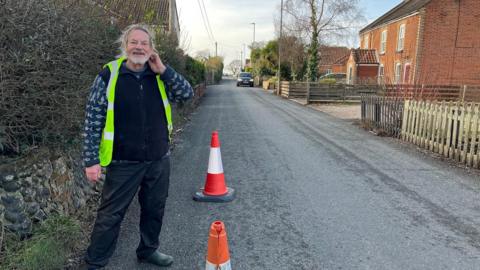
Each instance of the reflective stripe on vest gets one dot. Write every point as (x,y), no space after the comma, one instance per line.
(106,144)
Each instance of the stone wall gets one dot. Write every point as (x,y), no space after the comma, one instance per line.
(50,181)
(40,184)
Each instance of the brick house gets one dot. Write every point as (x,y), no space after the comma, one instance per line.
(158,13)
(427,42)
(362,66)
(333,59)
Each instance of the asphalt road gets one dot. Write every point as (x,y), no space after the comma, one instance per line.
(312,192)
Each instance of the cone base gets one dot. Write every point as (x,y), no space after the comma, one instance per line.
(200,197)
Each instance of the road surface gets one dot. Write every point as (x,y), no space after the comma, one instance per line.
(312,192)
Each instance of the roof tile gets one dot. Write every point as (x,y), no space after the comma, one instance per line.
(403,9)
(365,56)
(331,55)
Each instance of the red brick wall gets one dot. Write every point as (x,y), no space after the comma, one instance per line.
(339,68)
(324,68)
(360,73)
(335,69)
(367,72)
(351,63)
(391,55)
(449,56)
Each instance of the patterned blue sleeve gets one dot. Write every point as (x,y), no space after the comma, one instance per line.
(96,112)
(178,89)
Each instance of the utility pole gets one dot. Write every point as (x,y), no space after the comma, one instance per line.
(279,39)
(245,53)
(216,47)
(241,60)
(253,43)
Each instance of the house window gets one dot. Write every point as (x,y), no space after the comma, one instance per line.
(398,73)
(329,71)
(401,38)
(383,42)
(381,74)
(365,42)
(406,73)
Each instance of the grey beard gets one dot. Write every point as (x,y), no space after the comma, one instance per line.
(139,61)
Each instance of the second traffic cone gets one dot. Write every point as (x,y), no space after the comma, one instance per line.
(218,256)
(215,189)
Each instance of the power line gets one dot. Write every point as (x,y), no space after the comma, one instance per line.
(206,16)
(204,22)
(210,36)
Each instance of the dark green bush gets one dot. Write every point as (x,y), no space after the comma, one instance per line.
(195,70)
(50,52)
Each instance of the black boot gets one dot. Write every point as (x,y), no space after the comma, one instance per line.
(159,259)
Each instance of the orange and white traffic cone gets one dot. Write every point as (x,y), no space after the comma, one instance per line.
(218,256)
(215,189)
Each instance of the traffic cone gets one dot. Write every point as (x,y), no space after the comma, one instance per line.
(218,257)
(215,189)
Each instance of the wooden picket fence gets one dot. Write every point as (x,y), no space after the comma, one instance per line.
(383,114)
(451,129)
(292,90)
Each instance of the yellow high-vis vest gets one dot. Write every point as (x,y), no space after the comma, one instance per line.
(106,144)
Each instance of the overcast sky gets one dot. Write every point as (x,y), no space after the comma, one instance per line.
(231,20)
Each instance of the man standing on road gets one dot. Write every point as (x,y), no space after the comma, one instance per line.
(127,130)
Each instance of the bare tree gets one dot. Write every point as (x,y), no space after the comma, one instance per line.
(325,17)
(235,66)
(185,41)
(317,21)
(185,37)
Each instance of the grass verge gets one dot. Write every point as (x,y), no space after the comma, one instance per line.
(48,248)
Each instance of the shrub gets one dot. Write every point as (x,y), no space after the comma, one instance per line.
(195,71)
(273,79)
(167,46)
(328,81)
(51,51)
(215,65)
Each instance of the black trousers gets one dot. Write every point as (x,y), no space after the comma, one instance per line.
(123,179)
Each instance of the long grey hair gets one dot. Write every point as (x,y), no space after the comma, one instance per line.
(123,40)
